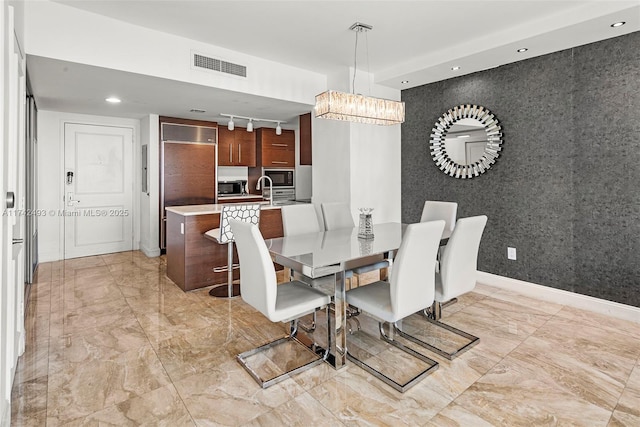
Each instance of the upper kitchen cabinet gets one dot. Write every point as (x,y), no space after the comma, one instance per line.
(236,147)
(276,150)
(305,139)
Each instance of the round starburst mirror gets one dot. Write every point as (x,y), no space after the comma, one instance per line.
(466,141)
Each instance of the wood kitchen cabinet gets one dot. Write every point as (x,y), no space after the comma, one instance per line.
(236,147)
(276,150)
(305,139)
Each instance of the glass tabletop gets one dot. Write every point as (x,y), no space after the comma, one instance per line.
(335,248)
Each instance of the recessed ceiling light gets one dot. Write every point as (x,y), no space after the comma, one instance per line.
(456,68)
(464,136)
(197,110)
(404,82)
(522,49)
(618,24)
(113,100)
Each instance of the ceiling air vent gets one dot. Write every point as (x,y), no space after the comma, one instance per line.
(214,64)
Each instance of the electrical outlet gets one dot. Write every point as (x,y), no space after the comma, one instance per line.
(511,253)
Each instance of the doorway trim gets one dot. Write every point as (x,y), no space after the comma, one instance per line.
(51,128)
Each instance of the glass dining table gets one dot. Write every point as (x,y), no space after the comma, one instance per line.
(335,252)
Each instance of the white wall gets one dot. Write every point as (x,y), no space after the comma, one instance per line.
(149,202)
(358,163)
(92,39)
(51,177)
(375,163)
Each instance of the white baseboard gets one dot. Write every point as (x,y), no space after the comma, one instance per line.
(150,253)
(559,296)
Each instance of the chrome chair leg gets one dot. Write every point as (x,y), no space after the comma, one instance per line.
(432,365)
(473,340)
(293,328)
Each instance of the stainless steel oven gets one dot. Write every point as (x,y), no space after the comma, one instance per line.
(282,177)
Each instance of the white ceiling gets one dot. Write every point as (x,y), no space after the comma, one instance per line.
(417,41)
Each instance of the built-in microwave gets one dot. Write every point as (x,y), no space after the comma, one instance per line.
(231,187)
(282,178)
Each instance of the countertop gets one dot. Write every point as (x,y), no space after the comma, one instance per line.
(207,209)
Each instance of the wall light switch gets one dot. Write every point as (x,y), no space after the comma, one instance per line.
(511,253)
(182,228)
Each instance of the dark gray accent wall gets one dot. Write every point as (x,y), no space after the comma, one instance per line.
(566,190)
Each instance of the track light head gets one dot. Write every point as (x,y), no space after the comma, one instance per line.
(231,125)
(278,129)
(250,126)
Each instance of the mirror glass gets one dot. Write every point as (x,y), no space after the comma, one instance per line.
(466,141)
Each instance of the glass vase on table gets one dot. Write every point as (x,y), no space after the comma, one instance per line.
(365,228)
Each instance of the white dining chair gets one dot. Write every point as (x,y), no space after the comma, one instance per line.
(447,211)
(337,215)
(299,219)
(457,276)
(411,289)
(286,302)
(224,235)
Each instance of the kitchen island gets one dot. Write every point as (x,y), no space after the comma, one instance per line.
(191,257)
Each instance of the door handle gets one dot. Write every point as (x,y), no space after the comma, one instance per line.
(230,153)
(239,153)
(70,201)
(10,200)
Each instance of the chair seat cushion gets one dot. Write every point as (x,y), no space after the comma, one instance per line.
(295,299)
(375,299)
(213,234)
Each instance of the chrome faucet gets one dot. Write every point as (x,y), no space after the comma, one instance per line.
(270,188)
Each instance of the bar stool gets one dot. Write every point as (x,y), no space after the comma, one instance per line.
(224,235)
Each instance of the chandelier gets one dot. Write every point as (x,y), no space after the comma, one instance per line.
(355,107)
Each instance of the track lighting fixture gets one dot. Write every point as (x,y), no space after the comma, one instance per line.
(231,125)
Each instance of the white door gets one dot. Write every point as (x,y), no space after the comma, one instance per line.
(98,189)
(12,97)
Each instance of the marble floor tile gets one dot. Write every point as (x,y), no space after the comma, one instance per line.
(74,319)
(601,321)
(95,344)
(525,301)
(34,362)
(197,351)
(160,407)
(227,395)
(627,412)
(110,340)
(304,410)
(29,401)
(519,394)
(82,388)
(357,398)
(454,415)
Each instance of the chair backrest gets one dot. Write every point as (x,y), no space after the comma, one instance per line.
(247,213)
(447,211)
(337,215)
(413,274)
(258,283)
(299,219)
(459,261)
